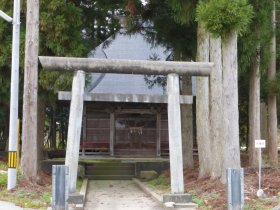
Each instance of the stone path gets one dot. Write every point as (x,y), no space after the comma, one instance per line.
(118,195)
(8,206)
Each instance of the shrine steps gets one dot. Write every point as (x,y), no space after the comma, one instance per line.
(110,171)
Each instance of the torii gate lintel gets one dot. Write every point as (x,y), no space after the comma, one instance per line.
(120,66)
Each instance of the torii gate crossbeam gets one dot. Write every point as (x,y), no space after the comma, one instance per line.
(169,68)
(126,66)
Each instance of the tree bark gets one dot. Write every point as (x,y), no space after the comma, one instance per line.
(230,104)
(216,108)
(29,161)
(187,124)
(254,109)
(41,127)
(202,106)
(271,100)
(264,131)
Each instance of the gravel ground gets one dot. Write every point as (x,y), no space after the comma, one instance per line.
(118,195)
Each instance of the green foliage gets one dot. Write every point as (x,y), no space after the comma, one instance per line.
(165,31)
(22,196)
(55,81)
(220,17)
(99,19)
(259,33)
(60,29)
(3,179)
(5,66)
(47,197)
(178,36)
(152,80)
(60,35)
(253,42)
(162,182)
(272,87)
(243,110)
(260,204)
(200,199)
(27,198)
(183,11)
(79,183)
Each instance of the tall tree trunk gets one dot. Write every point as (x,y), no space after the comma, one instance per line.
(216,108)
(29,163)
(187,124)
(271,100)
(53,130)
(230,104)
(264,131)
(202,106)
(41,128)
(254,109)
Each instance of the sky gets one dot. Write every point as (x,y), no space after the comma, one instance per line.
(144,2)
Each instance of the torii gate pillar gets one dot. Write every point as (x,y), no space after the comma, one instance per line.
(175,136)
(74,128)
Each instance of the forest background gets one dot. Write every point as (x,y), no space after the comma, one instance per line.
(74,27)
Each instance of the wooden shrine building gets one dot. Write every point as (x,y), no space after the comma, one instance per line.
(122,116)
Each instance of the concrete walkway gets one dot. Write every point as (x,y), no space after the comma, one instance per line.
(8,206)
(118,195)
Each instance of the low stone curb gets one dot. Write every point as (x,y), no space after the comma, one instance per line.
(159,198)
(83,192)
(147,190)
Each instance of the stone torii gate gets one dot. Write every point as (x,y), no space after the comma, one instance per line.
(169,68)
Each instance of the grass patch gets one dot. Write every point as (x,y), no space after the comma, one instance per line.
(26,198)
(79,184)
(3,166)
(197,199)
(25,194)
(202,200)
(35,197)
(162,182)
(261,204)
(3,180)
(257,204)
(47,197)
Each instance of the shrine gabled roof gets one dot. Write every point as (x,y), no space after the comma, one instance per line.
(132,47)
